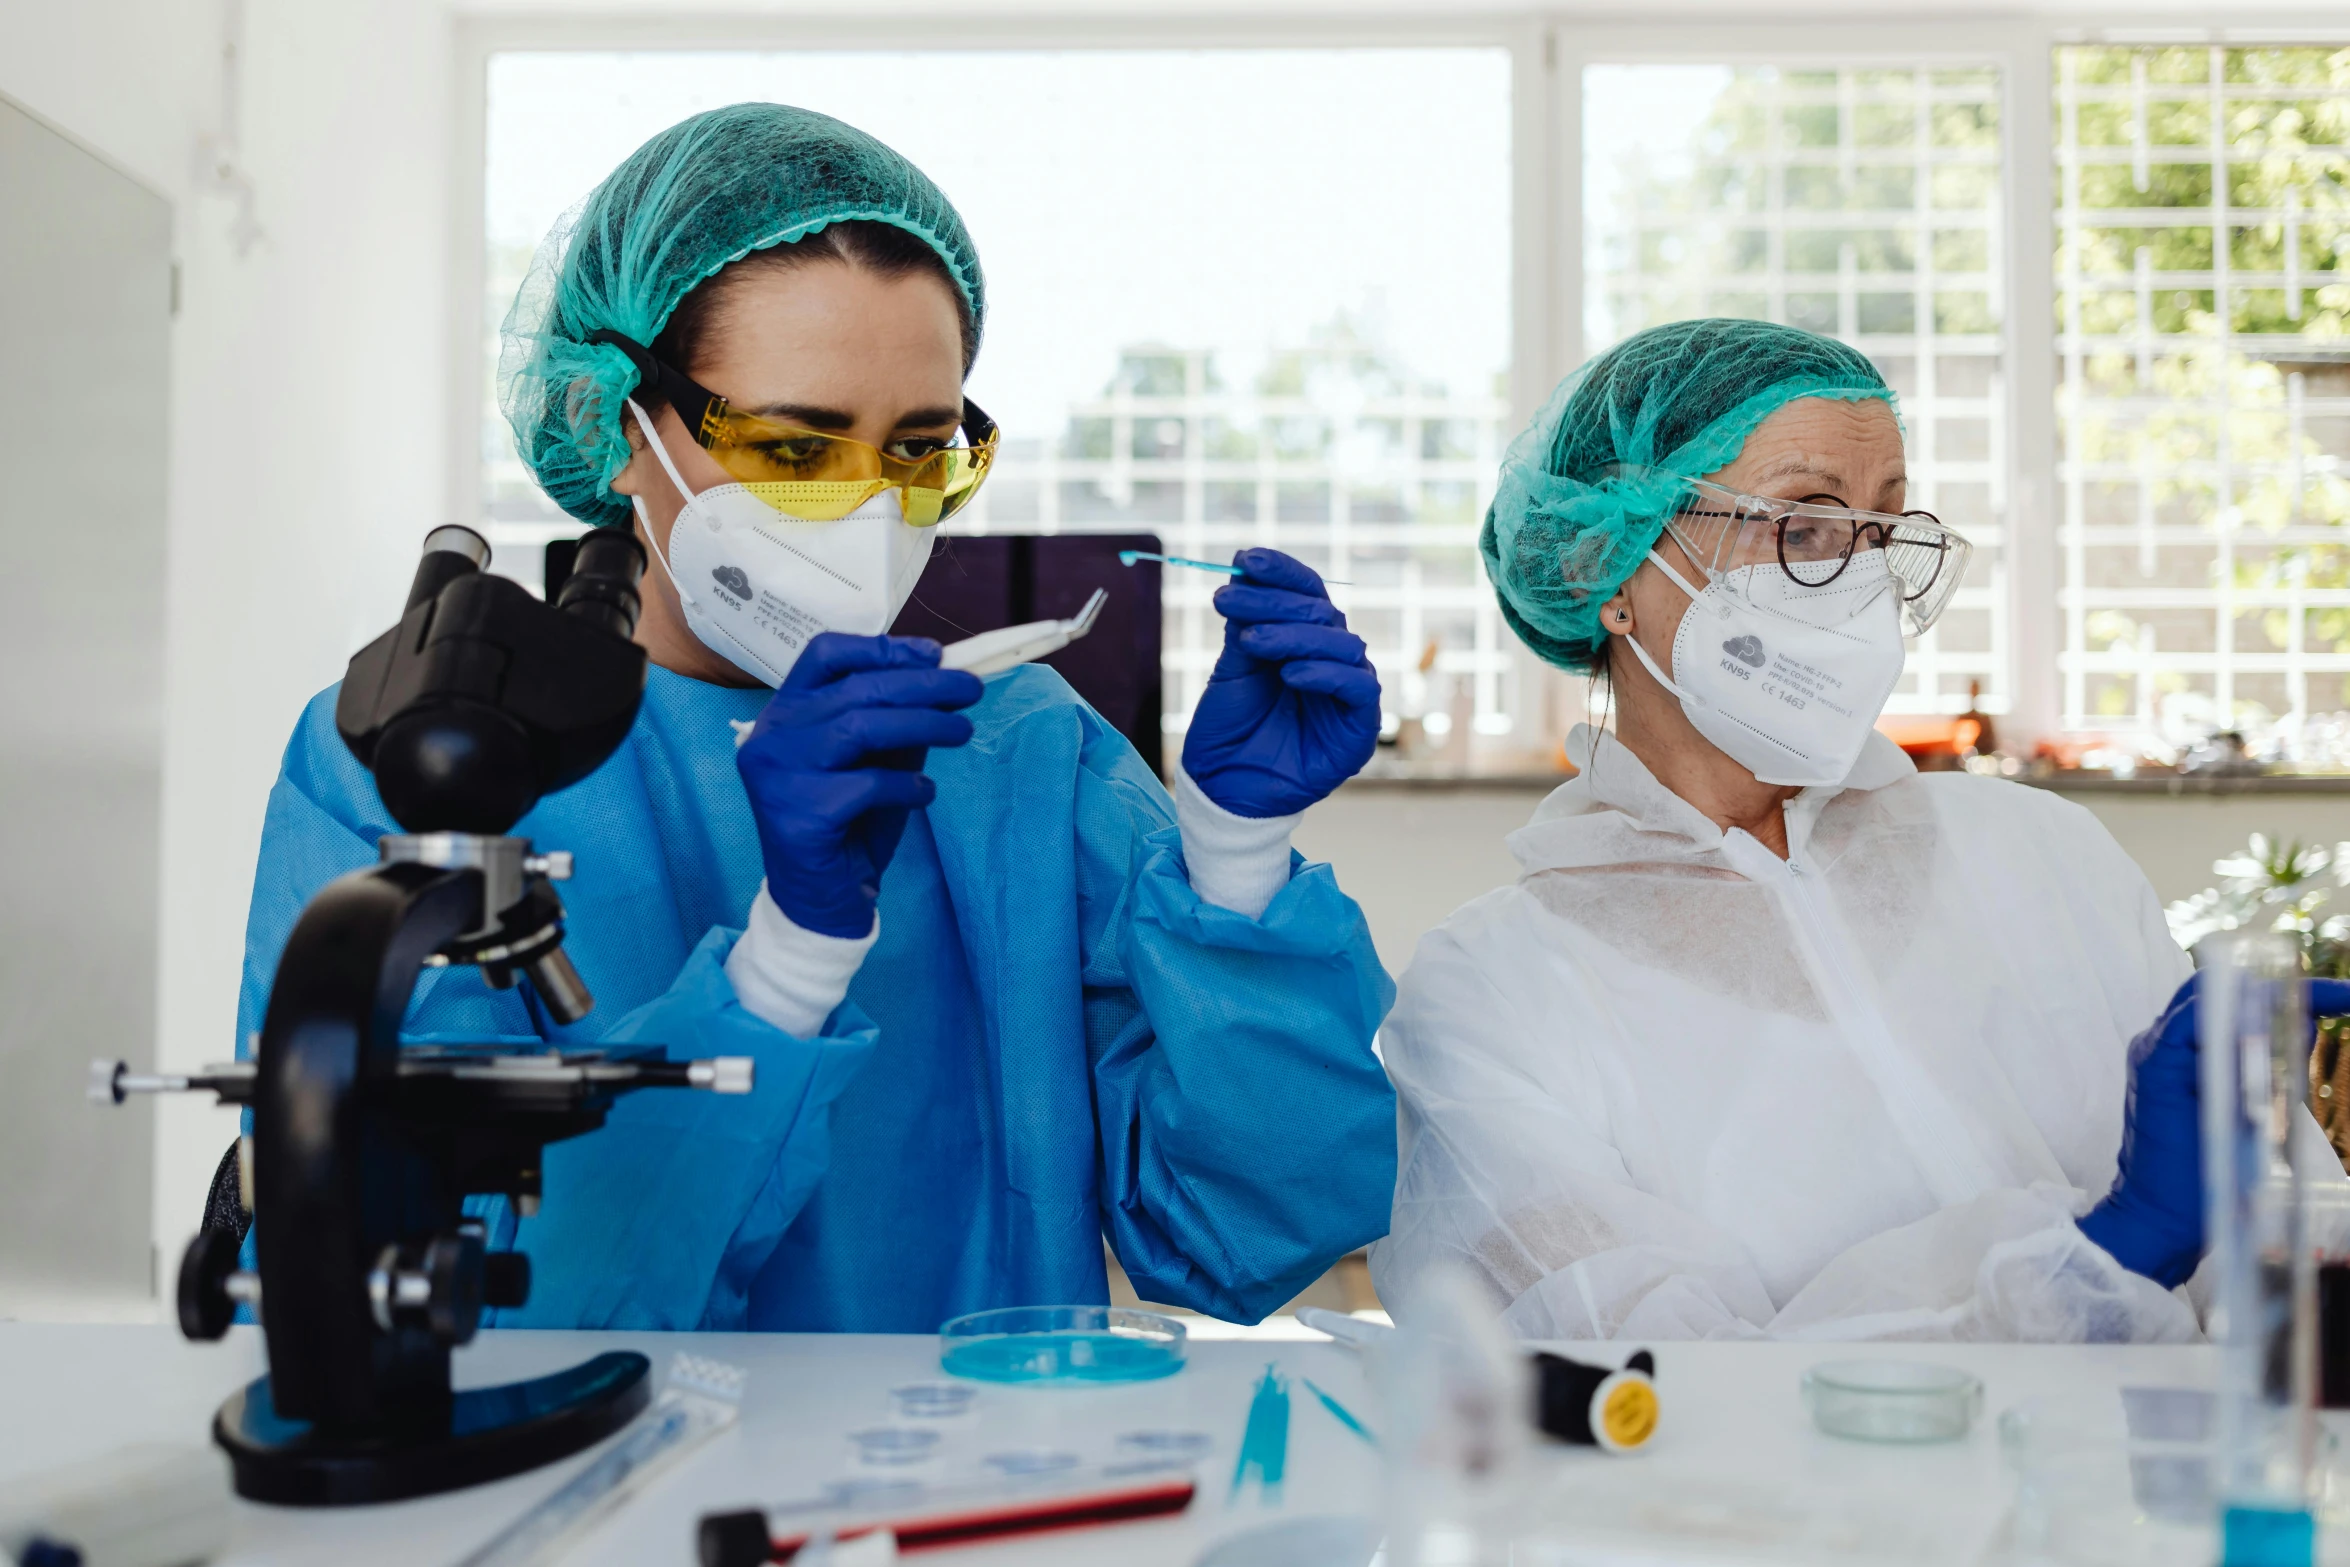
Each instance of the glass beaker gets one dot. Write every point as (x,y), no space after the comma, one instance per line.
(2255,1076)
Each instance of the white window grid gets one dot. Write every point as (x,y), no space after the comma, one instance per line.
(1549,271)
(1373,507)
(1956,432)
(1381,486)
(2259,501)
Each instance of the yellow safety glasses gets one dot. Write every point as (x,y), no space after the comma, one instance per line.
(814,476)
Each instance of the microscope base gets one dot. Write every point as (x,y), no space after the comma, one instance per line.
(490,1433)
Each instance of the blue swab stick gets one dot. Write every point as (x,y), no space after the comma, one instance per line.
(1345,1416)
(1129,557)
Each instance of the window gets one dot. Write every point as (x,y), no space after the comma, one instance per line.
(1302,296)
(1860,201)
(1234,298)
(2203,210)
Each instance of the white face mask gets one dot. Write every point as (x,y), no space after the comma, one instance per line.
(1786,680)
(757,584)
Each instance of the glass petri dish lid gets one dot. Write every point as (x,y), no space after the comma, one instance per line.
(1074,1344)
(1893,1400)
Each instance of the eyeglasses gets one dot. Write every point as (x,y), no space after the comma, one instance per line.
(813,475)
(1814,540)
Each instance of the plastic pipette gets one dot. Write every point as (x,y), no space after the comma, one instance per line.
(1129,557)
(992,652)
(703,1398)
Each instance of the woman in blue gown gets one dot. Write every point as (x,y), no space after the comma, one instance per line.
(1006,997)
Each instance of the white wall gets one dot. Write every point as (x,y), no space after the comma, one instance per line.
(1410,857)
(308,431)
(2174,841)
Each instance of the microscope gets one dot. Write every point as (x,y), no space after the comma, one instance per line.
(481,700)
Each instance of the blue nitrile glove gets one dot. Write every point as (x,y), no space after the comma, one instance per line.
(1292,708)
(834,764)
(2152,1221)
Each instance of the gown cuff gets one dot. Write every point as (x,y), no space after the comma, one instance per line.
(790,977)
(1236,862)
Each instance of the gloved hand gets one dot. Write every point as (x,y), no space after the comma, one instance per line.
(2152,1221)
(834,764)
(1292,708)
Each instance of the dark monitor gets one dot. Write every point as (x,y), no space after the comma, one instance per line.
(981,583)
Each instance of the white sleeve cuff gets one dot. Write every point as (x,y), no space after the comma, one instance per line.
(1236,862)
(789,977)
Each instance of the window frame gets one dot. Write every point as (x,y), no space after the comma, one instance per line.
(1548,50)
(2021,50)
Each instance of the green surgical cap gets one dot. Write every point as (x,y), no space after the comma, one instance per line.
(705,192)
(1587,487)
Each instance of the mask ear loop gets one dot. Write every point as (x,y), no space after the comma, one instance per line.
(765,671)
(1641,653)
(644,519)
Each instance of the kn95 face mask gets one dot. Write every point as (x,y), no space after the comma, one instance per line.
(756,583)
(1786,680)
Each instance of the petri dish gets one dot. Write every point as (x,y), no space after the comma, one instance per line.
(1075,1344)
(892,1446)
(933,1401)
(1026,1461)
(1169,1446)
(1892,1400)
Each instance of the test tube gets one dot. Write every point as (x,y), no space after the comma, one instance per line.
(2255,1077)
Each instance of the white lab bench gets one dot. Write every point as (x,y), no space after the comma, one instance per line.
(1734,1428)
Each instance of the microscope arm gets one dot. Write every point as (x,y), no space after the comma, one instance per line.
(334,1195)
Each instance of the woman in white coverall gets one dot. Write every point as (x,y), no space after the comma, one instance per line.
(1775,1036)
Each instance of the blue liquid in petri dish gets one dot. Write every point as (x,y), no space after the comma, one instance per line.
(1076,1344)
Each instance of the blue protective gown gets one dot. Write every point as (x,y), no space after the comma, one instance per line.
(1053,1039)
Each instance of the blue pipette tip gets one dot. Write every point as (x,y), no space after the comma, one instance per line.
(1129,557)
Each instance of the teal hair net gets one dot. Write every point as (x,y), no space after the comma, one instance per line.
(704,192)
(1587,487)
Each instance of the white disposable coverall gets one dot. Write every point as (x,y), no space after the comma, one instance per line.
(1671,1086)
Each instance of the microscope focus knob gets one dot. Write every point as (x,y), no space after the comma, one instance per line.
(453,1268)
(505,1279)
(205,1306)
(439,1289)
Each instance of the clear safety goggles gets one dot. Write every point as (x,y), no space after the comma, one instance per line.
(1814,541)
(815,476)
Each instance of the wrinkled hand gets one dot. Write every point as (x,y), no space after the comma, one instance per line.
(1292,708)
(2152,1221)
(834,764)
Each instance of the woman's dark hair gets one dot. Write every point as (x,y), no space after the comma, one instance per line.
(883,249)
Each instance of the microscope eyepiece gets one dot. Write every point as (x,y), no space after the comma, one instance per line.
(450,551)
(457,539)
(483,698)
(602,586)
